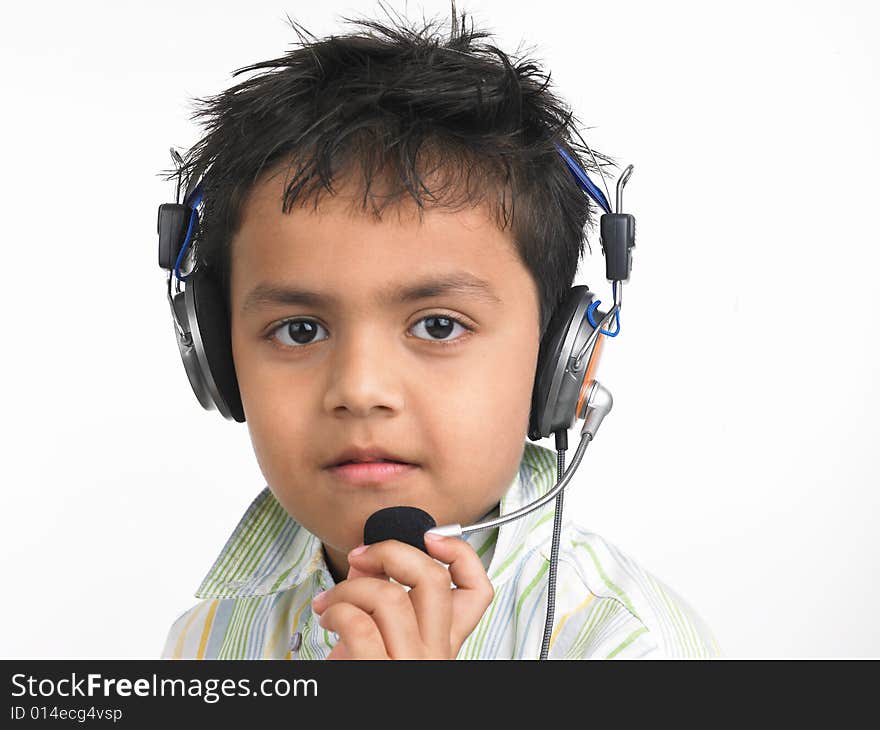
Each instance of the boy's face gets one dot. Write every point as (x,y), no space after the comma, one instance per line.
(375,371)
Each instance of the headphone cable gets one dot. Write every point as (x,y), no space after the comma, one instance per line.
(561,446)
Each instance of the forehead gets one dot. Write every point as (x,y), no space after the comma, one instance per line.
(344,254)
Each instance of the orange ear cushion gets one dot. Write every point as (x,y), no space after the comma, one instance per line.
(588,376)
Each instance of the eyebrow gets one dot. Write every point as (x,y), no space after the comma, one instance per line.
(267,293)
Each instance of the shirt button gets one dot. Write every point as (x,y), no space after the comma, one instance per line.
(295,641)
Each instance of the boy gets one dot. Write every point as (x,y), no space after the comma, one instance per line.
(398,319)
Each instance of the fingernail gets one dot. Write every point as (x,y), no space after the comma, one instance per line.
(359,549)
(318,597)
(434,537)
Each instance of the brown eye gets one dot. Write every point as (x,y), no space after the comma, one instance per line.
(296,332)
(439,327)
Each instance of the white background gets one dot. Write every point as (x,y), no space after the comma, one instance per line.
(741,450)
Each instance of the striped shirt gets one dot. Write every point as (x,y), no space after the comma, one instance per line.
(255,601)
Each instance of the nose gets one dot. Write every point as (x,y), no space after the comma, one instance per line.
(362,374)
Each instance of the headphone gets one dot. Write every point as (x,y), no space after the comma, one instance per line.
(568,354)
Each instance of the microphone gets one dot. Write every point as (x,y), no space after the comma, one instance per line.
(409,524)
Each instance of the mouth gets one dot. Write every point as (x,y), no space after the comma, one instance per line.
(377,472)
(368,461)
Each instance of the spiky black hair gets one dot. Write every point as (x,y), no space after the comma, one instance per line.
(413,107)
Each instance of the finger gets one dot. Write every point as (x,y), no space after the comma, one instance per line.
(387,605)
(430,582)
(357,629)
(355,572)
(473,590)
(339,651)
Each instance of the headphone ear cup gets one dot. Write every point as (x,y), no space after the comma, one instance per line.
(556,390)
(188,353)
(212,343)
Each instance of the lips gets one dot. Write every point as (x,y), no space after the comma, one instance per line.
(375,474)
(370,461)
(366,455)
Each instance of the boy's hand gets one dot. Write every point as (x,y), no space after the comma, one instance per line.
(378,619)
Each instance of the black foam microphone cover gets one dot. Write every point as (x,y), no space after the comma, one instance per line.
(407,524)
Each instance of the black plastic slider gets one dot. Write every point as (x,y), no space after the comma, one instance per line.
(618,235)
(171,227)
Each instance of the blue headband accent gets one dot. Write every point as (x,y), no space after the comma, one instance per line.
(588,186)
(195,197)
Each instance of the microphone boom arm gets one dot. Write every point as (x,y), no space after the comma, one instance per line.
(456,530)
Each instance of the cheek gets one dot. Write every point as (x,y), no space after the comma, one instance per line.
(491,396)
(275,413)
(274,434)
(510,375)
(267,389)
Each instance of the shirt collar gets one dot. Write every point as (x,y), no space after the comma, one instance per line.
(269,551)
